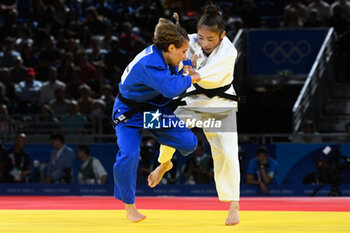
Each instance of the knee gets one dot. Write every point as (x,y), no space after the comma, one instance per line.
(189,145)
(130,154)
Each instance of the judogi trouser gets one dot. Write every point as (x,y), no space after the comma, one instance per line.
(127,159)
(224,149)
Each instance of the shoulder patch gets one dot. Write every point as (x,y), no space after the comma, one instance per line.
(148,50)
(195,39)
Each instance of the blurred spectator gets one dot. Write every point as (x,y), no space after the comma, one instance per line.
(262,170)
(318,176)
(85,37)
(65,69)
(45,122)
(8,23)
(3,98)
(16,162)
(49,22)
(344,5)
(127,37)
(28,93)
(108,98)
(73,46)
(60,11)
(28,56)
(61,41)
(308,135)
(60,104)
(98,116)
(346,137)
(73,122)
(94,21)
(115,58)
(199,167)
(91,170)
(323,9)
(8,56)
(6,122)
(87,70)
(48,57)
(104,8)
(300,9)
(71,19)
(47,93)
(10,92)
(72,88)
(250,14)
(18,71)
(85,101)
(291,19)
(94,52)
(23,37)
(60,163)
(312,20)
(338,19)
(107,38)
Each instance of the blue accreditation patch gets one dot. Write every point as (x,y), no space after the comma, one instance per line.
(149,50)
(195,39)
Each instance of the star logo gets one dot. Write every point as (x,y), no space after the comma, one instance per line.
(156,115)
(152,120)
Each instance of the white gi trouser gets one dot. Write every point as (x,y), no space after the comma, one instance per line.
(224,149)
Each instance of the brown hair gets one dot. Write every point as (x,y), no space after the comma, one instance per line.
(167,33)
(212,18)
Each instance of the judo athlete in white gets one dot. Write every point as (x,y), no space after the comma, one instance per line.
(149,83)
(213,56)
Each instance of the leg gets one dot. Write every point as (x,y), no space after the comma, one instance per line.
(182,139)
(224,147)
(125,169)
(165,155)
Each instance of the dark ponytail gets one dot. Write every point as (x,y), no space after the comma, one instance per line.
(212,18)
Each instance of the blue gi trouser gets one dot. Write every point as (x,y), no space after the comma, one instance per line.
(127,159)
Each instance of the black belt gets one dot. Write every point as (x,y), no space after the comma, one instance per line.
(136,107)
(210,93)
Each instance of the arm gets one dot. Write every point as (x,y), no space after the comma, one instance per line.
(266,178)
(164,82)
(250,180)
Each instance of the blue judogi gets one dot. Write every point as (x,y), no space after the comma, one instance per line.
(147,79)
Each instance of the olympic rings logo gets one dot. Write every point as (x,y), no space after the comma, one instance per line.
(287,51)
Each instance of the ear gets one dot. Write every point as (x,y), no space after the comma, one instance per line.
(223,34)
(171,48)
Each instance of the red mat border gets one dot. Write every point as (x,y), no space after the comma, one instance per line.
(339,204)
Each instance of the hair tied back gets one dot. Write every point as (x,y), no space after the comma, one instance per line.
(176,17)
(212,10)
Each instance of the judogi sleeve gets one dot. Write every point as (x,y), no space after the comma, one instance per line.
(169,85)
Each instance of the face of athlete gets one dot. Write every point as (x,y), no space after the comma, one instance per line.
(175,55)
(209,39)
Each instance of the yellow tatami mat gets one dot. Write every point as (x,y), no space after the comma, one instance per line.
(170,221)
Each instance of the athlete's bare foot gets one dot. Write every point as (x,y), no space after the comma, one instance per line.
(155,177)
(233,214)
(133,214)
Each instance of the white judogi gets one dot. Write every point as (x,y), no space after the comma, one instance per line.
(215,71)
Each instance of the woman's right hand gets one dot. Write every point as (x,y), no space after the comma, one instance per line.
(195,77)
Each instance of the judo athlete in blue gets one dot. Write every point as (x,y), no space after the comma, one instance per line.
(149,82)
